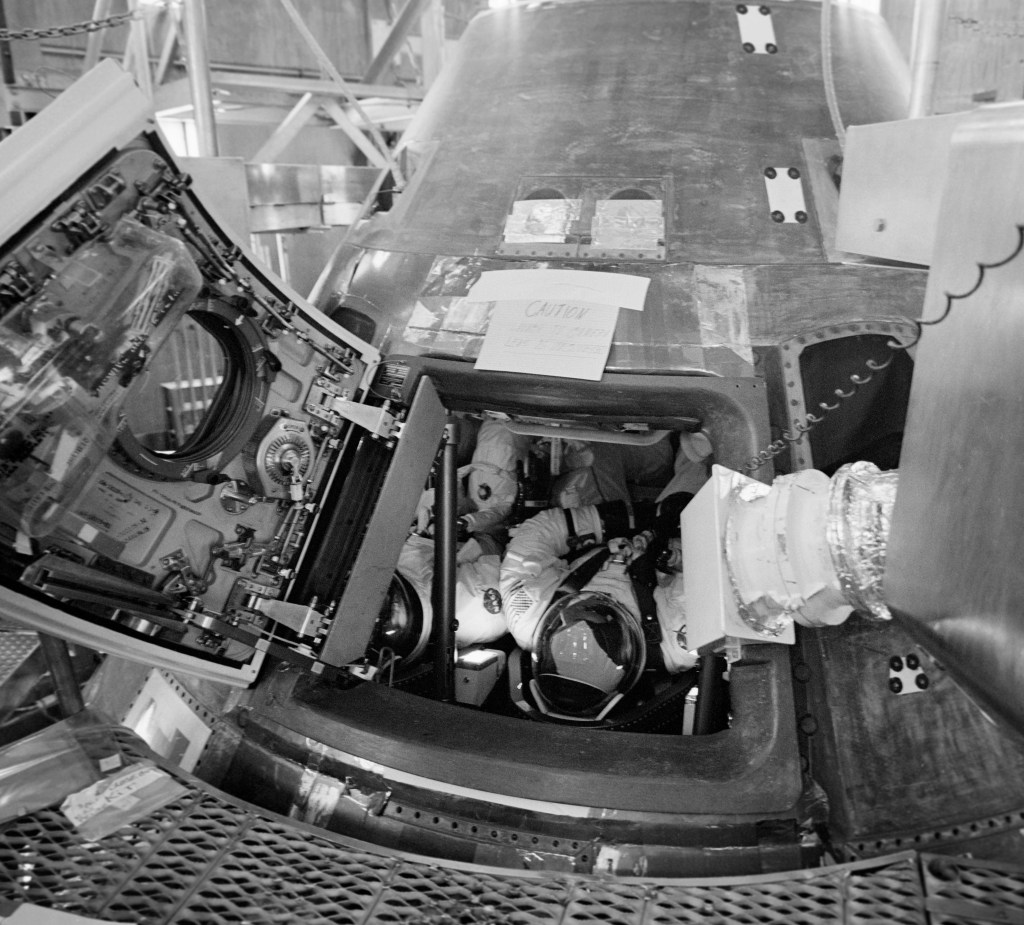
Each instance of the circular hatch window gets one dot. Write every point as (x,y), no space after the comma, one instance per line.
(200,399)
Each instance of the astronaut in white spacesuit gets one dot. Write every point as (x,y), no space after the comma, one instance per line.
(487,485)
(492,598)
(594,622)
(487,491)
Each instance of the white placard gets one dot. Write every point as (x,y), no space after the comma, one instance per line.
(786,195)
(118,791)
(757,34)
(546,337)
(612,289)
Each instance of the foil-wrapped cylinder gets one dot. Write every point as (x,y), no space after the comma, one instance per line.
(859,519)
(535,221)
(779,562)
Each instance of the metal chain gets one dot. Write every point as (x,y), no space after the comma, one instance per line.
(801,428)
(53,32)
(811,419)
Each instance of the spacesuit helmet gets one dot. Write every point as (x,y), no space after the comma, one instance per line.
(588,652)
(403,625)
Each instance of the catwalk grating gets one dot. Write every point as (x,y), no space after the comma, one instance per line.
(205,860)
(962,890)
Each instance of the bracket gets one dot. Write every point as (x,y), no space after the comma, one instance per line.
(757,34)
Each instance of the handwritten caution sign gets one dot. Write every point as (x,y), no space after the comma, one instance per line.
(553,322)
(547,338)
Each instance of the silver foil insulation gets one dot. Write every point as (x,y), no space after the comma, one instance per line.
(859,519)
(809,549)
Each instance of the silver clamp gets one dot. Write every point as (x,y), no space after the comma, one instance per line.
(378,420)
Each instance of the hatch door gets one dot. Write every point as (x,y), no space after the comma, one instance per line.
(191,456)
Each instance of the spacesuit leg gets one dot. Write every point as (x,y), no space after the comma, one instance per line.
(671,603)
(692,466)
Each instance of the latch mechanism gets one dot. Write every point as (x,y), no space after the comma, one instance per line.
(304,619)
(329,401)
(377,419)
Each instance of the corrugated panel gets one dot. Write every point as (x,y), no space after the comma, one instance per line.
(207,861)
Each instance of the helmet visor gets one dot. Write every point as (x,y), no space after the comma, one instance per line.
(588,650)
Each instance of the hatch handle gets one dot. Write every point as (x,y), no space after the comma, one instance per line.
(378,420)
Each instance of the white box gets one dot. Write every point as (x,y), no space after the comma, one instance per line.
(712,618)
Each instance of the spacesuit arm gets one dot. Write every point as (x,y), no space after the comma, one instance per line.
(671,605)
(492,482)
(487,486)
(533,566)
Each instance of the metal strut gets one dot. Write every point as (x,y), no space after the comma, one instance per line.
(443,594)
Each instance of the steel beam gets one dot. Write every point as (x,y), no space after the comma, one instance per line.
(136,52)
(198,59)
(296,120)
(332,72)
(94,44)
(432,41)
(300,85)
(929,19)
(356,135)
(171,41)
(400,29)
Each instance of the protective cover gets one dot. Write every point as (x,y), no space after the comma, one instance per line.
(68,356)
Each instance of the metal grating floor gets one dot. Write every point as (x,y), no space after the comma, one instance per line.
(961,891)
(209,861)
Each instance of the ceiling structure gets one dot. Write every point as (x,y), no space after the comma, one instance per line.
(295,116)
(302,109)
